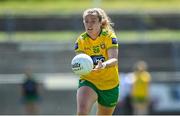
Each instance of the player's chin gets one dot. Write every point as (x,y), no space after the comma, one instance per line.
(89,31)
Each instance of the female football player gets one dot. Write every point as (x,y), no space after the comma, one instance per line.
(100,42)
(140,88)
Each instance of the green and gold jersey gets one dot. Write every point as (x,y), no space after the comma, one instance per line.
(140,87)
(106,78)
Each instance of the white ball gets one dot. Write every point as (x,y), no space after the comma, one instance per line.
(82,64)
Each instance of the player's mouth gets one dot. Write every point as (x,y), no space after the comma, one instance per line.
(90,29)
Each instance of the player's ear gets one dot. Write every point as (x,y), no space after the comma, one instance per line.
(104,23)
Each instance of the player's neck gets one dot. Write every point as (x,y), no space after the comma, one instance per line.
(95,35)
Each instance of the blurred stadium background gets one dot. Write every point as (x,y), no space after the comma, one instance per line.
(41,34)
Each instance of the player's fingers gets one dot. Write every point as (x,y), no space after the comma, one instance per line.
(100,62)
(95,70)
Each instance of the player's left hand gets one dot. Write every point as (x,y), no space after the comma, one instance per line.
(98,66)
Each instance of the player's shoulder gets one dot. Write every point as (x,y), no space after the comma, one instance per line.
(107,33)
(147,73)
(82,36)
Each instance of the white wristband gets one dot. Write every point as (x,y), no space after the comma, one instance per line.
(103,65)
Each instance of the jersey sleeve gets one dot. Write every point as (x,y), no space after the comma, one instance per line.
(112,41)
(148,77)
(78,46)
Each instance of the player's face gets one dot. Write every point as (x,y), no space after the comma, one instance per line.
(92,25)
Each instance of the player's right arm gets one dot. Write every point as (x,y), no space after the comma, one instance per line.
(78,46)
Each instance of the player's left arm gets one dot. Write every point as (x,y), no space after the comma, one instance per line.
(112,59)
(112,51)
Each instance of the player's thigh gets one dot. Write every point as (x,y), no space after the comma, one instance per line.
(104,110)
(86,96)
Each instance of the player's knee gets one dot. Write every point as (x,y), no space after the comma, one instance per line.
(83,109)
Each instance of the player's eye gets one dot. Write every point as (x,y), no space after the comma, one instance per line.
(86,21)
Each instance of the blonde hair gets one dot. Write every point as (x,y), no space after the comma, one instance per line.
(140,65)
(103,17)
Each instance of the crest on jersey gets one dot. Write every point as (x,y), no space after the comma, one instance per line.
(102,46)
